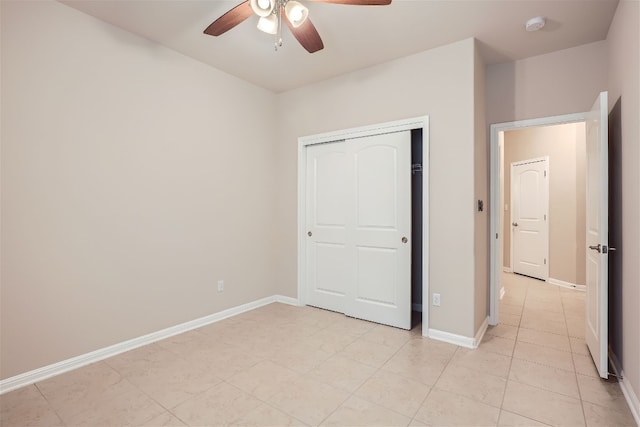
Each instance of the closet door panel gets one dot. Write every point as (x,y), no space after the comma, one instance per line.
(328,250)
(381,291)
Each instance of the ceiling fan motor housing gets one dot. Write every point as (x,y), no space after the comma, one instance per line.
(262,7)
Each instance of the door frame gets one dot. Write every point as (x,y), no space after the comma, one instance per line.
(421,122)
(495,169)
(546,202)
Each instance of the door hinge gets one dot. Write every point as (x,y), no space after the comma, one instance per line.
(416,168)
(545,261)
(545,217)
(545,174)
(496,235)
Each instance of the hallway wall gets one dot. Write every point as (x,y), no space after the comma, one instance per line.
(565,146)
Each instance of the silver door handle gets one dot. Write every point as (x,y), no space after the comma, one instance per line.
(595,247)
(515,224)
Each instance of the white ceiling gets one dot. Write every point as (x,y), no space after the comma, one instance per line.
(356,37)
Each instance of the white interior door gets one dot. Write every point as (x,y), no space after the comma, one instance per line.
(529,222)
(381,291)
(358,217)
(328,266)
(597,234)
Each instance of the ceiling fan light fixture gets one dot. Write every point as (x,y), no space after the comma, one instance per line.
(268,24)
(296,12)
(296,18)
(262,8)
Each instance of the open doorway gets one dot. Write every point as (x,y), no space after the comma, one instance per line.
(542,233)
(544,236)
(529,139)
(595,310)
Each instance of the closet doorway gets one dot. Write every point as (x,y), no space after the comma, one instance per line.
(355,224)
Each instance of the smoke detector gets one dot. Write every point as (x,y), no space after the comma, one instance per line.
(535,24)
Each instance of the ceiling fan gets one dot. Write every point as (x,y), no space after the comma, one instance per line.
(273,13)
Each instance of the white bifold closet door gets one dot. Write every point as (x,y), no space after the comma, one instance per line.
(358,217)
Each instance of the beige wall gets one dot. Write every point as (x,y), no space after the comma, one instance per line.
(581,201)
(624,82)
(562,82)
(481,188)
(131,183)
(438,83)
(563,144)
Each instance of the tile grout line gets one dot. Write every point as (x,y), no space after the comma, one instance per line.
(221,380)
(145,393)
(506,385)
(575,373)
(234,422)
(352,394)
(575,370)
(436,382)
(539,388)
(49,404)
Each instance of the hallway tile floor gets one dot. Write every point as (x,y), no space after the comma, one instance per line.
(286,366)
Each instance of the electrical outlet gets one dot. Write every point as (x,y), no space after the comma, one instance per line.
(220,285)
(436,300)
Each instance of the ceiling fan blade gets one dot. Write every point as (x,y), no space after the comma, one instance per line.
(306,34)
(230,19)
(358,2)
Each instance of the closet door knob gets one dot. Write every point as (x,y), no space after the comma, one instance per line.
(309,234)
(405,240)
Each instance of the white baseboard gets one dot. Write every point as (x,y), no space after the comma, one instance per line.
(460,340)
(287,300)
(614,362)
(507,269)
(58,368)
(564,284)
(481,331)
(456,339)
(416,307)
(630,396)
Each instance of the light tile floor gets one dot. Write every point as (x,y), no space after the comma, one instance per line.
(281,365)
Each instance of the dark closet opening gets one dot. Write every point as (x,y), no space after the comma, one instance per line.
(416,226)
